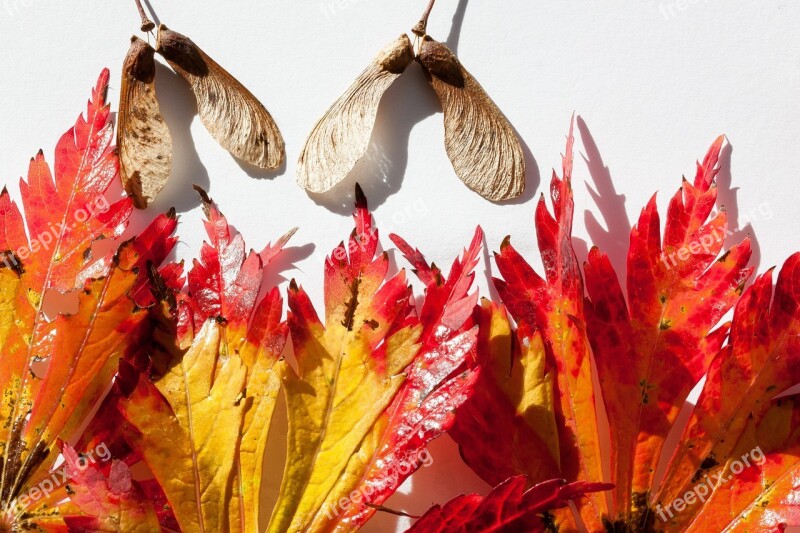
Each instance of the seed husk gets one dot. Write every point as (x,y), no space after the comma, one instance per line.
(144,143)
(480,142)
(341,137)
(236,119)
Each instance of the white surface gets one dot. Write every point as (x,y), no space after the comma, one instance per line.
(654,81)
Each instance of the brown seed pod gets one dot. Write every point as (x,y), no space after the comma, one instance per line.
(342,135)
(143,140)
(230,112)
(485,152)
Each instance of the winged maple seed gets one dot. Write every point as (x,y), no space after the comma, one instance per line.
(482,145)
(341,137)
(229,111)
(143,139)
(56,369)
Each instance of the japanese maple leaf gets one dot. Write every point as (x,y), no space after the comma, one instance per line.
(349,370)
(740,448)
(55,369)
(551,336)
(437,383)
(654,346)
(108,503)
(201,422)
(109,431)
(222,336)
(512,408)
(651,346)
(508,508)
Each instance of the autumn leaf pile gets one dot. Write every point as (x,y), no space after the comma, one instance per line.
(148,406)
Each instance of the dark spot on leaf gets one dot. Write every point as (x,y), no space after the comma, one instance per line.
(352,305)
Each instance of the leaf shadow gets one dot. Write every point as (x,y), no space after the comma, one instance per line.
(178,106)
(488,270)
(581,249)
(728,199)
(285,261)
(613,238)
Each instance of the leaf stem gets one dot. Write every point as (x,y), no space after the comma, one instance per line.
(147,24)
(421,28)
(392,511)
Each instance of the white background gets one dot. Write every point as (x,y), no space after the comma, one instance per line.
(653,82)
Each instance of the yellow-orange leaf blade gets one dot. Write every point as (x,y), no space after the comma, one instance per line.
(348,371)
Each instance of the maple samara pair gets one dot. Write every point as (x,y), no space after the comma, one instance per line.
(480,142)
